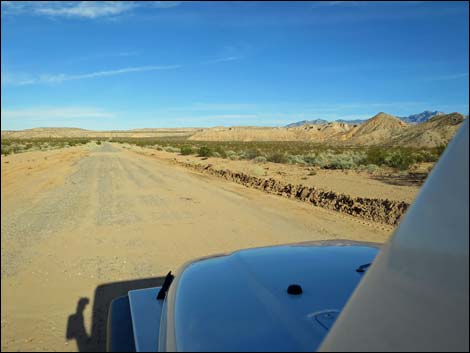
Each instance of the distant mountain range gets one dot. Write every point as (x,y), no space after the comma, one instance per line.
(308,122)
(421,117)
(411,119)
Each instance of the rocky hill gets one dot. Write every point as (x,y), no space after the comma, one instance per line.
(434,132)
(382,129)
(377,130)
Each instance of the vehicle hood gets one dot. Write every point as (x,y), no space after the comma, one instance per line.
(239,302)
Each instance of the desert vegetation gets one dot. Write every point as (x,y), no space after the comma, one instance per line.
(10,146)
(363,158)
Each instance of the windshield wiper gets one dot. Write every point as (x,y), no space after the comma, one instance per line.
(166,284)
(363,268)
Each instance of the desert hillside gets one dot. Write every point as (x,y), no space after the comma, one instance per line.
(382,129)
(435,132)
(377,130)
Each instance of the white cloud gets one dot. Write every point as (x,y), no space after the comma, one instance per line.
(88,9)
(42,113)
(81,9)
(23,79)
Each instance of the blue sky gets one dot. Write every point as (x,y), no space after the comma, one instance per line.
(124,65)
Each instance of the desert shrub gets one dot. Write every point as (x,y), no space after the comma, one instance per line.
(260,159)
(376,156)
(295,159)
(372,168)
(417,157)
(440,149)
(204,151)
(321,160)
(252,154)
(241,155)
(428,156)
(216,154)
(258,171)
(400,160)
(359,157)
(28,146)
(159,148)
(340,161)
(98,142)
(232,155)
(17,148)
(171,149)
(221,152)
(6,150)
(186,150)
(309,159)
(277,158)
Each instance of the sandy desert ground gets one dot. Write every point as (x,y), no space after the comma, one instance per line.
(93,221)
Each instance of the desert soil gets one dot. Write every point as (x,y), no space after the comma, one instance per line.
(81,221)
(386,185)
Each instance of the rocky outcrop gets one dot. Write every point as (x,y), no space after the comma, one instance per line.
(376,210)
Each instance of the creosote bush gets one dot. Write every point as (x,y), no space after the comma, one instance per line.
(186,150)
(204,151)
(260,159)
(277,158)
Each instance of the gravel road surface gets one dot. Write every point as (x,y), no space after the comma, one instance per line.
(84,221)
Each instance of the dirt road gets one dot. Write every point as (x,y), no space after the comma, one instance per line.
(91,222)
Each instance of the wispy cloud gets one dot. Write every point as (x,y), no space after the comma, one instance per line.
(81,9)
(22,79)
(447,77)
(225,59)
(42,113)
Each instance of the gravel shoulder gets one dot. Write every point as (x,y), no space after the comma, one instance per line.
(91,215)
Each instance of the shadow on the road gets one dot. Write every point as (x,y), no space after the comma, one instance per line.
(104,294)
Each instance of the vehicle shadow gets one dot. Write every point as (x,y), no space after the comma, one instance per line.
(104,294)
